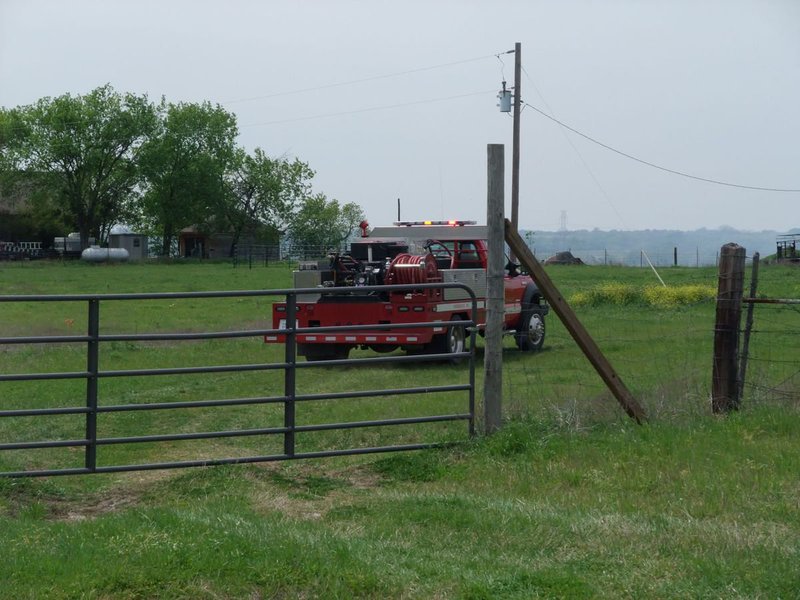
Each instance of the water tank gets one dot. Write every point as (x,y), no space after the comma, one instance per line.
(97,254)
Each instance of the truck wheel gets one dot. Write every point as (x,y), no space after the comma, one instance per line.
(530,335)
(455,338)
(320,352)
(383,348)
(451,342)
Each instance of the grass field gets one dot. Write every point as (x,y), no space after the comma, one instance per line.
(569,500)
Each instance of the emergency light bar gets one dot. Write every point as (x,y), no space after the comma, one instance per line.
(451,222)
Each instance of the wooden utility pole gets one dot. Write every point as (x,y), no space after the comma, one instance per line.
(493,344)
(573,325)
(725,376)
(515,149)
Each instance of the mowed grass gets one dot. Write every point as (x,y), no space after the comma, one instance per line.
(569,500)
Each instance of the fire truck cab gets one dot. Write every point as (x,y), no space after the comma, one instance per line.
(408,253)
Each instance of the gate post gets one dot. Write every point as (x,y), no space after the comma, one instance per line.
(290,375)
(725,376)
(493,352)
(92,367)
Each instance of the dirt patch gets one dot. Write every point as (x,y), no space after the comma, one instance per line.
(297,491)
(127,492)
(310,493)
(100,506)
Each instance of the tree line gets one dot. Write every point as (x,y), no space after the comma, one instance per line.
(89,162)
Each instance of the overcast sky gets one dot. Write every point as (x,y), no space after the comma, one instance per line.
(708,88)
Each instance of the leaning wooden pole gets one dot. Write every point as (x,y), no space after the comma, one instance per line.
(573,325)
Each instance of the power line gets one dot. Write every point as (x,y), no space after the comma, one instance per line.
(348,112)
(659,167)
(368,109)
(363,80)
(353,82)
(577,152)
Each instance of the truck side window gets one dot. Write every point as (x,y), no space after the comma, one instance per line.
(468,256)
(442,252)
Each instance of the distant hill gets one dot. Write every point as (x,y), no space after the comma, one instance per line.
(698,247)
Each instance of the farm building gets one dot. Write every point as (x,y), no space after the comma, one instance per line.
(13,221)
(22,235)
(193,243)
(788,250)
(134,243)
(563,258)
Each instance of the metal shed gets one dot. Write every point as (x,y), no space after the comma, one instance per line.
(134,243)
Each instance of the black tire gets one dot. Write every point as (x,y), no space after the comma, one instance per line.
(383,348)
(530,335)
(453,341)
(322,352)
(455,338)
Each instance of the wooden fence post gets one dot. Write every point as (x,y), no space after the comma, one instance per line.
(725,376)
(748,327)
(493,345)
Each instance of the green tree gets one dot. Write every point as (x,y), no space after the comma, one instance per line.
(263,193)
(184,166)
(321,224)
(77,154)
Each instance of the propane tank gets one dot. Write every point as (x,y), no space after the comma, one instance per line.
(96,254)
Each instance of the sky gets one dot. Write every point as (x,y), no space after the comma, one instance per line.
(388,99)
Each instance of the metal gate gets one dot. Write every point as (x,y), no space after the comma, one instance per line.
(96,343)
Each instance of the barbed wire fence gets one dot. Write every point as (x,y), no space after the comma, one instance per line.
(664,355)
(773,371)
(769,365)
(254,255)
(658,257)
(642,257)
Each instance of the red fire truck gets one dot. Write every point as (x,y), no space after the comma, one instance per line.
(410,252)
